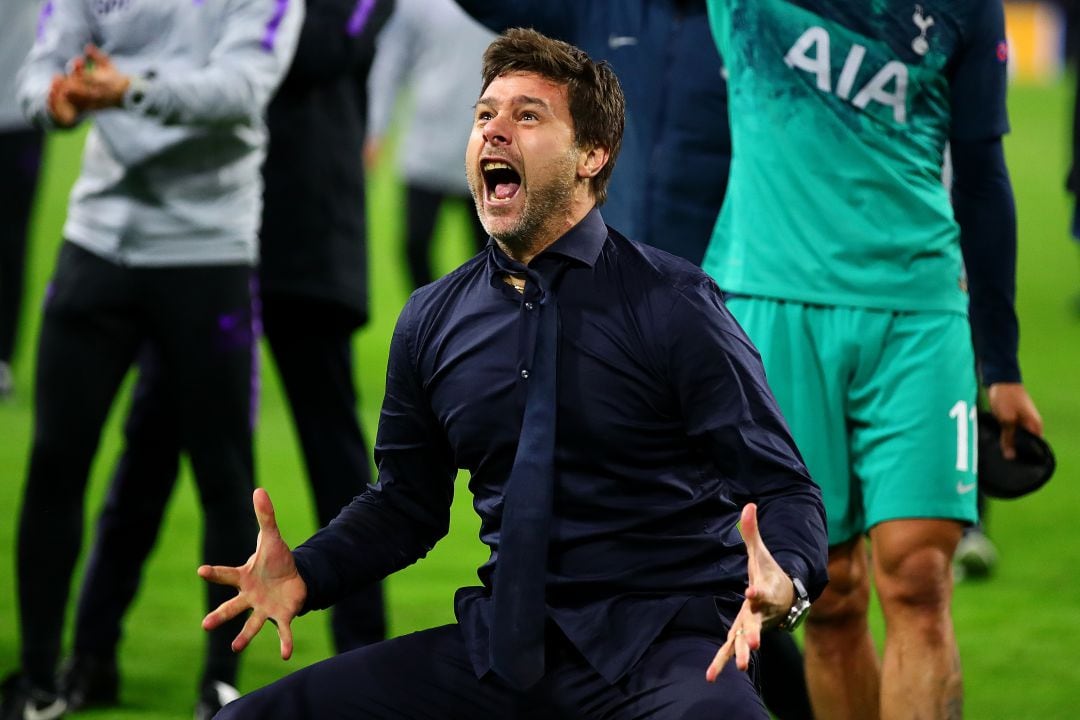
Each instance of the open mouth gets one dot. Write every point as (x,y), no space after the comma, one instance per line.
(501,180)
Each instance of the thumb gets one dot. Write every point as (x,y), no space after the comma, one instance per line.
(264,511)
(96,54)
(755,546)
(748,526)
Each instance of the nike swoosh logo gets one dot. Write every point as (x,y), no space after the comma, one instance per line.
(964,488)
(617,41)
(49,712)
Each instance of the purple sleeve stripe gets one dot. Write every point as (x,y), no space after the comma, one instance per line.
(43,18)
(272,26)
(360,16)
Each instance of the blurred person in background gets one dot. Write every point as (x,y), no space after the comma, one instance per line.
(430,54)
(1072,182)
(976,554)
(313,292)
(844,258)
(159,248)
(20,160)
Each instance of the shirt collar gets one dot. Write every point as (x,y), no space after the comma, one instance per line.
(582,243)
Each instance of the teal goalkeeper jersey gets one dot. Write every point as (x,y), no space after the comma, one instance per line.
(840,112)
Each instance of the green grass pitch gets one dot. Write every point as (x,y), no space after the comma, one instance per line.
(1019,631)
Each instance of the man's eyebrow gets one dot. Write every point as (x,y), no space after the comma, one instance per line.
(516,100)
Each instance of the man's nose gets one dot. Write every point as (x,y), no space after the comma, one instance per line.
(497,130)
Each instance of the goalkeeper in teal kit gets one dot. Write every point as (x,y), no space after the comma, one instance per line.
(850,267)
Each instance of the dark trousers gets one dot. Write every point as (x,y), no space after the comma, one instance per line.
(312,344)
(427,675)
(783,679)
(98,315)
(20,159)
(422,210)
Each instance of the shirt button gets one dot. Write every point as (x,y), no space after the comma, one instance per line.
(524,374)
(528,306)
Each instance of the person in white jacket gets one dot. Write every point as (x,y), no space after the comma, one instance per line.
(159,244)
(428,54)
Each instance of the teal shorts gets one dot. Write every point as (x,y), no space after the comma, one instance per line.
(880,403)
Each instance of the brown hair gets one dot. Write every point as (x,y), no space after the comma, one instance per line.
(595,97)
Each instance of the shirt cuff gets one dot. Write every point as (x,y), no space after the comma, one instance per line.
(795,567)
(307,574)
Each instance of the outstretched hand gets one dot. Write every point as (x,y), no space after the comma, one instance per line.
(1012,406)
(268,584)
(769,596)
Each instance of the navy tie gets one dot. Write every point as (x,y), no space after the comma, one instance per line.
(520,613)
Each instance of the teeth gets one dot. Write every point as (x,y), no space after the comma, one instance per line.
(495,165)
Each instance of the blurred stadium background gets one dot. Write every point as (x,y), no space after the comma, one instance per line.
(1019,630)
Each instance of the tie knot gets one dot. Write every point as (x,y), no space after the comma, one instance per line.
(547,271)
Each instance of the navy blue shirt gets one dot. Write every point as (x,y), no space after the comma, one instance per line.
(665,429)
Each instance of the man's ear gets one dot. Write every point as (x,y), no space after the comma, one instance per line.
(591,161)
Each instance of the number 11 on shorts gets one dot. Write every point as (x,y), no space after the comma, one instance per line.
(967,452)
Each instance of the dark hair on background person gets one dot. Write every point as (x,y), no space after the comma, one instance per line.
(595,97)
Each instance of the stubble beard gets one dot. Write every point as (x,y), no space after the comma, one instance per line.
(544,205)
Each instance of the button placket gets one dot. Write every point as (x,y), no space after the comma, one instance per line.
(530,317)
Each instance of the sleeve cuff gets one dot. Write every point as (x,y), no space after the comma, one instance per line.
(795,567)
(311,601)
(1005,371)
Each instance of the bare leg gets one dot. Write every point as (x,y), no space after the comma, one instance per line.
(841,662)
(913,571)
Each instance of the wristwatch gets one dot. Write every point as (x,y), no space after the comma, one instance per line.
(135,95)
(799,607)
